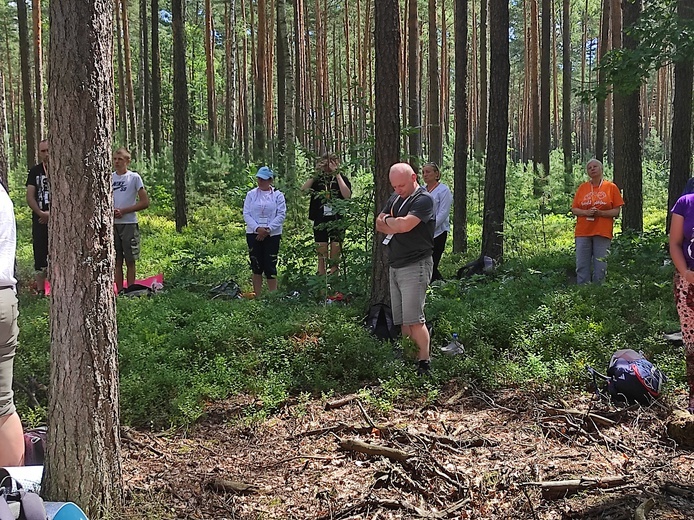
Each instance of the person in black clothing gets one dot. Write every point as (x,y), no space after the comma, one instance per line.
(326,186)
(39,200)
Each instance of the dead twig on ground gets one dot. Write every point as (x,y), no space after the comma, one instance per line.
(373,449)
(232,486)
(338,403)
(552,489)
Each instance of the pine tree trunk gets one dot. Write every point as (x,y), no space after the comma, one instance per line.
(122,106)
(38,68)
(132,124)
(387,129)
(259,131)
(602,50)
(566,98)
(26,83)
(146,80)
(14,134)
(461,134)
(633,172)
(230,51)
(83,408)
(544,91)
(617,101)
(285,93)
(481,141)
(414,112)
(209,70)
(181,114)
(681,155)
(495,180)
(435,135)
(156,81)
(243,78)
(533,57)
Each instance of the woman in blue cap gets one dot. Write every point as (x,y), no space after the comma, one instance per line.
(264,211)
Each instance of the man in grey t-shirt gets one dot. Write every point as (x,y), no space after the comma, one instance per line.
(408,221)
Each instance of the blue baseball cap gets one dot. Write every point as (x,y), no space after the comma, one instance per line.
(264,173)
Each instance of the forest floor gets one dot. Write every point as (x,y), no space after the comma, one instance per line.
(468,454)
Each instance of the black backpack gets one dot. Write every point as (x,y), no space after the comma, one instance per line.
(479,266)
(379,322)
(631,378)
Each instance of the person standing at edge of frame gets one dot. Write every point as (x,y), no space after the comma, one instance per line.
(264,211)
(38,198)
(443,199)
(408,222)
(129,197)
(326,186)
(596,204)
(11,432)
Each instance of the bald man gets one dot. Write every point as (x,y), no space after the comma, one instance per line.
(408,221)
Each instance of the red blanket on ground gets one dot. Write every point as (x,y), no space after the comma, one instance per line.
(157,278)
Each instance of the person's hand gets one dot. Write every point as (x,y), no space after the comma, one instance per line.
(261,233)
(688,276)
(43,217)
(592,212)
(117,213)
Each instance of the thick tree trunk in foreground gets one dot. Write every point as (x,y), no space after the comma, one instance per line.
(566,98)
(497,146)
(387,131)
(83,462)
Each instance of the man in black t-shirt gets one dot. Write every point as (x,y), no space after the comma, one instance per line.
(39,200)
(408,221)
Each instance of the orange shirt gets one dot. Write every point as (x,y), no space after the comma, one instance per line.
(602,197)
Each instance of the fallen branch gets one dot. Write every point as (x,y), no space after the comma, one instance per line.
(643,510)
(597,419)
(679,490)
(126,435)
(560,488)
(338,403)
(232,486)
(373,449)
(475,442)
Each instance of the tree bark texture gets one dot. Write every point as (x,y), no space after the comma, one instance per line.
(132,120)
(631,148)
(38,67)
(156,81)
(545,89)
(497,146)
(387,129)
(461,134)
(681,154)
(435,134)
(603,46)
(481,141)
(259,130)
(617,100)
(566,98)
(146,81)
(29,128)
(181,114)
(209,69)
(83,462)
(414,108)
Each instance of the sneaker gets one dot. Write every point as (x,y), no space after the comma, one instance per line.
(423,367)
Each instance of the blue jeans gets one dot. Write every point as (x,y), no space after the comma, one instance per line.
(591,252)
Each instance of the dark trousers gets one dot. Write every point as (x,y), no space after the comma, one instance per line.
(439,246)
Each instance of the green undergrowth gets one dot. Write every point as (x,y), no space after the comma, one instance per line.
(528,325)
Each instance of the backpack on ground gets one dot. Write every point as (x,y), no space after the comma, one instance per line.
(35,446)
(18,504)
(479,266)
(631,377)
(137,289)
(228,290)
(379,322)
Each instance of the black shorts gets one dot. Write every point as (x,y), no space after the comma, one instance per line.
(39,234)
(263,254)
(329,231)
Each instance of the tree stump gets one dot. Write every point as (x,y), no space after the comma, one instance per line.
(680,428)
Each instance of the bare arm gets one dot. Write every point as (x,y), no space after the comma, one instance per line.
(142,203)
(344,189)
(614,212)
(34,205)
(392,225)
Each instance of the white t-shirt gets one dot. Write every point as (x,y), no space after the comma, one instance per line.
(8,239)
(125,188)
